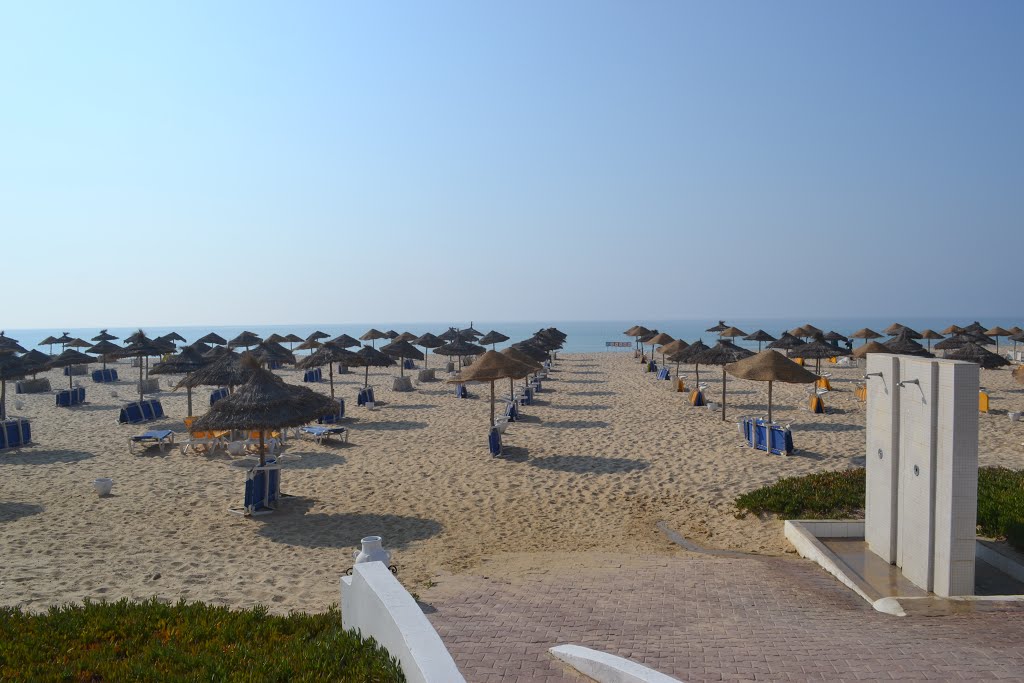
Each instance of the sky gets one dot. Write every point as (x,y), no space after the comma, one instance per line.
(262,162)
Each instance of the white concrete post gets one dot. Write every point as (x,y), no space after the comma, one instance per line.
(882,457)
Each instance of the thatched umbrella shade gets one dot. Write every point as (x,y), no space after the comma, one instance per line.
(35,361)
(268,351)
(870,347)
(760,336)
(63,340)
(245,339)
(952,329)
(517,355)
(276,338)
(470,333)
(833,336)
(309,345)
(690,354)
(637,331)
(651,334)
(1016,337)
(894,329)
(770,366)
(428,341)
(449,335)
(328,354)
(723,353)
(199,347)
(103,349)
(538,353)
(718,328)
(370,357)
(292,340)
(346,342)
(49,341)
(786,342)
(490,367)
(214,339)
(548,340)
(77,343)
(104,336)
(903,345)
(975,353)
(493,338)
(402,350)
(800,332)
(8,345)
(141,347)
(188,360)
(318,335)
(660,339)
(11,367)
(955,342)
(866,333)
(372,335)
(263,403)
(731,333)
(4,339)
(930,335)
(405,336)
(459,348)
(997,332)
(672,348)
(975,327)
(817,349)
(224,370)
(68,358)
(391,334)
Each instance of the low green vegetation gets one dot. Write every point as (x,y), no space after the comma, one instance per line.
(152,641)
(830,495)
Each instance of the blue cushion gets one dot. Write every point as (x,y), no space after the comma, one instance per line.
(494,441)
(15,433)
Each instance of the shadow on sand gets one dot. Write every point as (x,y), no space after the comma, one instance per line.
(589,464)
(827,427)
(577,424)
(393,426)
(293,525)
(12,511)
(44,457)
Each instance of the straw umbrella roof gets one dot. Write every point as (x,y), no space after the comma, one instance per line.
(4,339)
(975,353)
(894,329)
(955,342)
(174,336)
(673,347)
(76,343)
(11,346)
(130,339)
(834,336)
(1016,330)
(276,338)
(402,349)
(70,357)
(650,334)
(492,337)
(551,342)
(786,341)
(103,348)
(997,332)
(372,358)
(391,334)
(224,371)
(492,366)
(451,334)
(268,351)
(975,327)
(532,350)
(760,336)
(689,353)
(213,338)
(952,329)
(329,352)
(405,336)
(930,334)
(317,335)
(245,339)
(1018,337)
(35,361)
(373,334)
(635,331)
(346,341)
(818,348)
(516,354)
(309,344)
(471,332)
(218,351)
(770,366)
(718,328)
(871,347)
(293,338)
(186,361)
(49,340)
(866,333)
(800,332)
(904,345)
(199,347)
(459,347)
(732,332)
(13,367)
(104,336)
(660,339)
(141,345)
(165,344)
(428,341)
(722,353)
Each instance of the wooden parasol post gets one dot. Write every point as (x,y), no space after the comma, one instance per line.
(769,402)
(492,403)
(330,376)
(723,392)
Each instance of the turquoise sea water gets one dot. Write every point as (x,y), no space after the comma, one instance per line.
(583,336)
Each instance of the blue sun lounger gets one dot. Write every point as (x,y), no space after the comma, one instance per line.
(337,417)
(663,374)
(511,411)
(767,437)
(103,376)
(218,394)
(15,432)
(314,375)
(461,391)
(409,364)
(141,411)
(262,489)
(318,434)
(527,398)
(494,442)
(70,397)
(365,396)
(163,438)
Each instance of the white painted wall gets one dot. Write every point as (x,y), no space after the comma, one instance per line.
(882,454)
(606,668)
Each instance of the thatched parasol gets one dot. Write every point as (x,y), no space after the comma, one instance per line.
(894,329)
(952,329)
(637,331)
(731,333)
(11,367)
(930,335)
(63,340)
(975,353)
(493,338)
(800,332)
(245,339)
(5,340)
(328,354)
(402,350)
(449,335)
(276,338)
(225,370)
(141,347)
(817,349)
(903,345)
(391,334)
(689,355)
(490,367)
(372,335)
(760,336)
(68,358)
(459,348)
(269,351)
(49,341)
(309,345)
(405,336)
(346,342)
(265,402)
(1016,337)
(870,347)
(770,366)
(723,353)
(786,342)
(718,328)
(8,345)
(866,333)
(104,348)
(318,335)
(104,336)
(370,357)
(35,361)
(671,349)
(188,360)
(834,336)
(470,332)
(213,338)
(77,343)
(428,341)
(537,353)
(199,347)
(997,332)
(660,339)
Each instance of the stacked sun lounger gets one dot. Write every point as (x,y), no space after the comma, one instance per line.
(314,375)
(526,398)
(409,364)
(763,436)
(494,442)
(218,394)
(141,411)
(275,365)
(262,489)
(103,376)
(365,396)
(461,391)
(663,374)
(70,397)
(74,370)
(32,386)
(337,417)
(15,432)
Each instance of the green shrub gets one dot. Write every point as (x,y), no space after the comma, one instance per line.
(1015,535)
(1000,500)
(152,641)
(823,495)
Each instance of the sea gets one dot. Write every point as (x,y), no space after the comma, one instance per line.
(583,336)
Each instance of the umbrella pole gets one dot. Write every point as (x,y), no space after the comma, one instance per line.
(511,389)
(401,369)
(3,399)
(71,384)
(189,392)
(696,371)
(330,375)
(140,378)
(769,401)
(723,393)
(366,380)
(492,403)
(263,458)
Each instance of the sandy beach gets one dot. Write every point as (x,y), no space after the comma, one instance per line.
(605,454)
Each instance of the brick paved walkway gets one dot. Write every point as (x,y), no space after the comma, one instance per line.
(698,617)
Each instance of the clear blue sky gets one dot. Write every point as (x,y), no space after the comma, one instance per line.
(268,162)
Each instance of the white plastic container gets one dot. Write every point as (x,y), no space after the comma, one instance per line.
(103,485)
